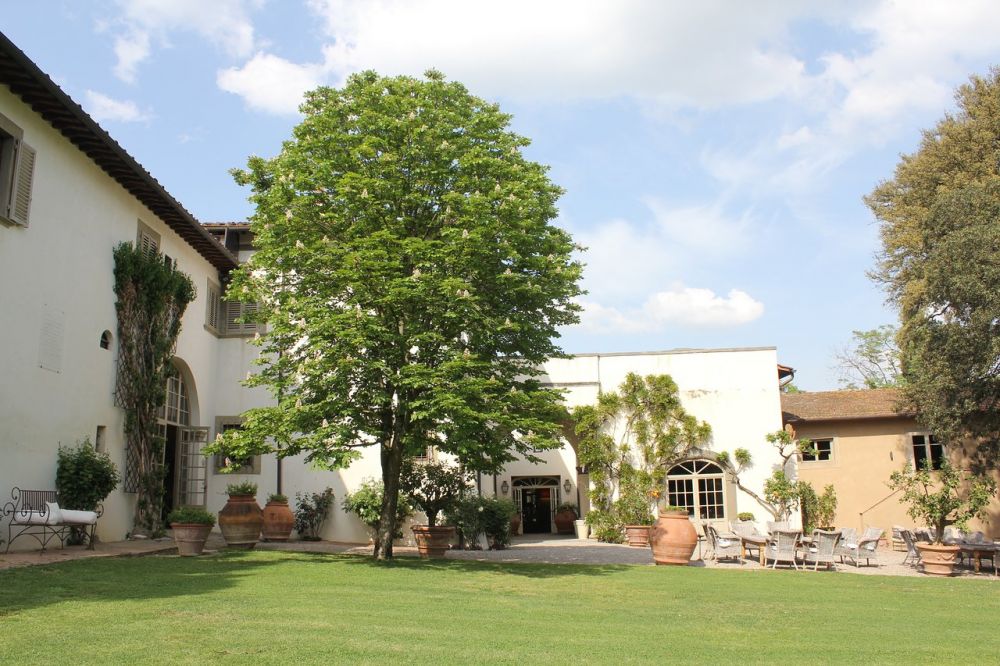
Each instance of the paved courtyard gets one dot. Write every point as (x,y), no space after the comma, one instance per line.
(548,549)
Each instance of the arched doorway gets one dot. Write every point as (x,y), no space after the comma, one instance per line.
(703,487)
(536,497)
(184,465)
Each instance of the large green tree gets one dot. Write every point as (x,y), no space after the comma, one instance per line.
(411,280)
(873,360)
(940,226)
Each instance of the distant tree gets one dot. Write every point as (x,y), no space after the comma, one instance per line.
(790,387)
(940,238)
(412,283)
(873,360)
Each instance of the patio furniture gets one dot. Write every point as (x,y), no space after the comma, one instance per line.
(750,539)
(36,513)
(897,537)
(867,548)
(823,548)
(724,546)
(775,525)
(978,551)
(848,536)
(912,554)
(783,547)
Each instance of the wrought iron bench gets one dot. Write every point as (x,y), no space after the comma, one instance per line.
(36,513)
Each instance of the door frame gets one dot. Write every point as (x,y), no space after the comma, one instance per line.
(550,481)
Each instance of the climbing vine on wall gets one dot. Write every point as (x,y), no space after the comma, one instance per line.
(152,297)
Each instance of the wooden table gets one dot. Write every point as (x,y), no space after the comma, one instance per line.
(976,552)
(759,542)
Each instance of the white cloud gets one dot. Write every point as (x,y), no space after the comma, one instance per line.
(706,54)
(225,23)
(104,108)
(679,306)
(271,84)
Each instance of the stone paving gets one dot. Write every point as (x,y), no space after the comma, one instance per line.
(548,549)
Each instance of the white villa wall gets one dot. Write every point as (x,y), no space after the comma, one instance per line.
(62,263)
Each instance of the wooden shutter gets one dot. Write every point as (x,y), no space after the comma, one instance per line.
(147,240)
(24,173)
(235,311)
(214,305)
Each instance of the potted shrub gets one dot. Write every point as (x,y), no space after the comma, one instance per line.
(366,504)
(745,517)
(191,526)
(634,511)
(935,500)
(434,487)
(241,519)
(84,479)
(673,538)
(311,511)
(495,520)
(565,516)
(278,519)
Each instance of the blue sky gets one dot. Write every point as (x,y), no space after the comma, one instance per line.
(714,154)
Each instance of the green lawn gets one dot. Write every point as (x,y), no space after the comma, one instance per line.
(272,607)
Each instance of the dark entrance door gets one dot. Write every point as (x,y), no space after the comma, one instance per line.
(536,509)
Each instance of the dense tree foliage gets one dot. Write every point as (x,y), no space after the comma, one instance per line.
(412,283)
(873,360)
(940,240)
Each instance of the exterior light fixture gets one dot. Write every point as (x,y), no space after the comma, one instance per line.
(567,486)
(505,487)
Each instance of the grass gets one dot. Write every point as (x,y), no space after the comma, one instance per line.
(279,608)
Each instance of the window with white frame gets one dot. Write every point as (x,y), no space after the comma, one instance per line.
(817,450)
(927,447)
(698,486)
(17,170)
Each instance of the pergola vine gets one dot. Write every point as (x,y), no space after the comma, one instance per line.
(152,296)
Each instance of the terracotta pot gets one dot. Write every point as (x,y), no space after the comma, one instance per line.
(564,521)
(673,538)
(190,537)
(278,521)
(240,521)
(638,535)
(938,559)
(515,524)
(433,542)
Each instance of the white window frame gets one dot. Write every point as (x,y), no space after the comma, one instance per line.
(818,461)
(928,437)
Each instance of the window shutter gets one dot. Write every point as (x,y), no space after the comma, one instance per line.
(147,240)
(212,316)
(24,173)
(233,312)
(249,310)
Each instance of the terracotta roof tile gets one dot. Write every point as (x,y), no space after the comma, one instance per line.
(839,405)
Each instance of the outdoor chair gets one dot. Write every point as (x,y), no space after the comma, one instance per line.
(897,536)
(912,554)
(723,547)
(866,548)
(774,526)
(952,536)
(744,530)
(823,549)
(783,547)
(848,540)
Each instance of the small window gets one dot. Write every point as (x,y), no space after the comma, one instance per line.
(106,340)
(239,317)
(927,447)
(146,239)
(819,451)
(100,445)
(249,466)
(17,170)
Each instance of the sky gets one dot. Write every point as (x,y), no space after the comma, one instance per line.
(714,154)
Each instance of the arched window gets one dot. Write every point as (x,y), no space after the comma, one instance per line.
(700,487)
(106,340)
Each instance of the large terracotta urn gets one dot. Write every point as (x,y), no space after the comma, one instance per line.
(240,521)
(638,535)
(190,537)
(278,521)
(565,517)
(673,538)
(433,542)
(938,559)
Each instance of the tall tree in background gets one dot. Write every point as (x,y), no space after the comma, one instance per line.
(411,280)
(940,227)
(873,361)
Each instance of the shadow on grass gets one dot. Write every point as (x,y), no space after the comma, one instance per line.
(524,569)
(124,579)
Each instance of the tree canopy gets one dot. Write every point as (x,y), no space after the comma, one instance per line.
(411,280)
(940,238)
(873,360)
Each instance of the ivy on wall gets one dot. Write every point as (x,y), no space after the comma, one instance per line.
(152,296)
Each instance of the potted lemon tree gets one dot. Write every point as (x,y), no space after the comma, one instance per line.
(433,487)
(936,498)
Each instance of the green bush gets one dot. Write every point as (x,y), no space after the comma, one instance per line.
(241,488)
(190,514)
(84,477)
(311,509)
(606,526)
(466,517)
(633,509)
(433,486)
(277,497)
(366,504)
(745,516)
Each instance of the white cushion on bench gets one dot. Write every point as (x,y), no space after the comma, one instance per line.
(51,516)
(72,517)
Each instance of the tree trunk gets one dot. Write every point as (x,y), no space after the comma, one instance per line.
(392,463)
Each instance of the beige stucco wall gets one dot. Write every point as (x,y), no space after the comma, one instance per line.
(865,453)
